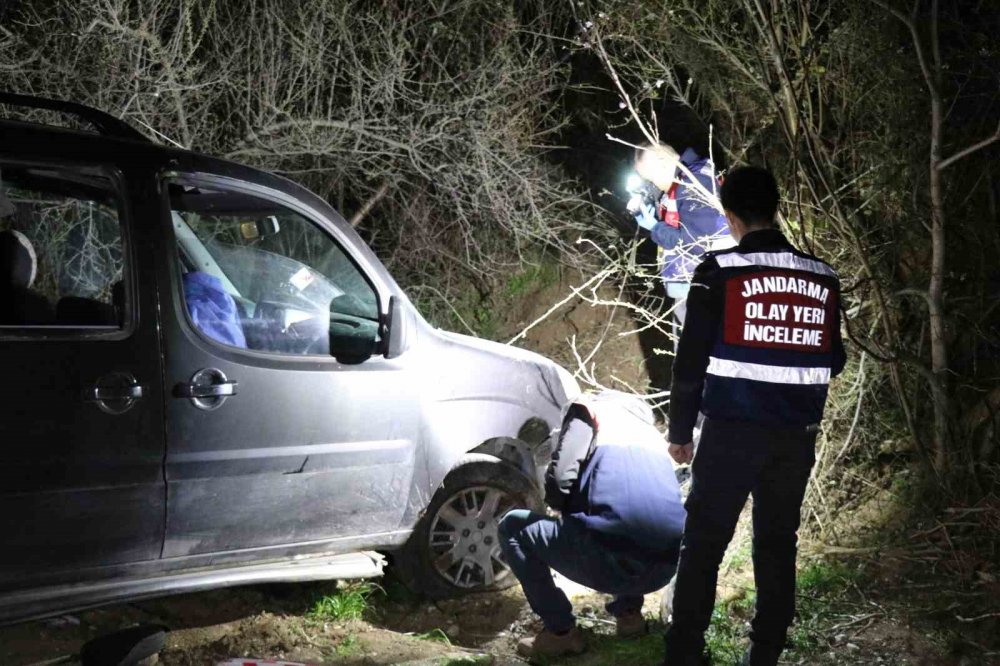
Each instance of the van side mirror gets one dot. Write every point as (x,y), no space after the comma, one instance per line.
(353,337)
(395,341)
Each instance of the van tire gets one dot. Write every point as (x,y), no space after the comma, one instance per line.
(476,476)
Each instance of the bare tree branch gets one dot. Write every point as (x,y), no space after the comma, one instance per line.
(947,162)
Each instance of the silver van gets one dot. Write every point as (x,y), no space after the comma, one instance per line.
(210,380)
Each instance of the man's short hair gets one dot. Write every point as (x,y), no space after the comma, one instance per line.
(751,194)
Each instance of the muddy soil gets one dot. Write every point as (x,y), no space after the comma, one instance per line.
(264,622)
(271,622)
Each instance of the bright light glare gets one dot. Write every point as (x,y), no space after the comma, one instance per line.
(633,182)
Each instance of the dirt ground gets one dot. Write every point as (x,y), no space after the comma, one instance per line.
(272,622)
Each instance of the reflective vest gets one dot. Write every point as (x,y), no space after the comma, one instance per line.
(778,337)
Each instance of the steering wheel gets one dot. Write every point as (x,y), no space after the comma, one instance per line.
(309,336)
(312,336)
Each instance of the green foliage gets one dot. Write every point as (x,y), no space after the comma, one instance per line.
(738,557)
(532,277)
(347,603)
(726,635)
(472,660)
(824,578)
(348,647)
(640,651)
(486,314)
(434,635)
(820,587)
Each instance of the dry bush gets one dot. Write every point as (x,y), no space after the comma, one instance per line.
(835,98)
(429,124)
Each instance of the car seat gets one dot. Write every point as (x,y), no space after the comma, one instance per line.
(19,304)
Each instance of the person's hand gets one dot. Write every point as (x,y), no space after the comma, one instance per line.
(681,453)
(645,217)
(634,204)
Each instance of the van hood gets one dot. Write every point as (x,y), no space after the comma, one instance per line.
(483,369)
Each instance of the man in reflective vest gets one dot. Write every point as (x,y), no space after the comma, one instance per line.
(620,525)
(761,342)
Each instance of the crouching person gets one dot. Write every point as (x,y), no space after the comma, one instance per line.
(620,526)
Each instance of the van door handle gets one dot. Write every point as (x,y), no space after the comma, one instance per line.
(100,393)
(115,393)
(220,390)
(208,389)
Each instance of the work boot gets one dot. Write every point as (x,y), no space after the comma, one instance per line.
(548,644)
(630,625)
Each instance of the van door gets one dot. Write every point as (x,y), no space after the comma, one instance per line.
(81,438)
(271,440)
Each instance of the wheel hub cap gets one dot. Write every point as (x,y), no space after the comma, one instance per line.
(464,543)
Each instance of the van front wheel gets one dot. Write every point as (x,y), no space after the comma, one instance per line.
(455,548)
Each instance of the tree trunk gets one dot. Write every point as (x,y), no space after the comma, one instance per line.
(935,290)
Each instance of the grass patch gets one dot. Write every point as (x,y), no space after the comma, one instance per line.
(607,650)
(435,635)
(348,647)
(471,660)
(532,278)
(726,637)
(823,578)
(394,591)
(819,587)
(739,557)
(347,603)
(485,314)
(488,316)
(640,651)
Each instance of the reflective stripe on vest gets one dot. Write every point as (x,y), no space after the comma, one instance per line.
(786,260)
(774,374)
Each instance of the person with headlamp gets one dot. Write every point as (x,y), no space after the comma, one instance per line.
(675,198)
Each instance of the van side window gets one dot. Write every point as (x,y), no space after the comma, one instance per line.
(258,275)
(61,248)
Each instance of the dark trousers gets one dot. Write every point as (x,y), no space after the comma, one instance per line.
(534,544)
(735,460)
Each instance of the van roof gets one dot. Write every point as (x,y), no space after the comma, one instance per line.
(104,123)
